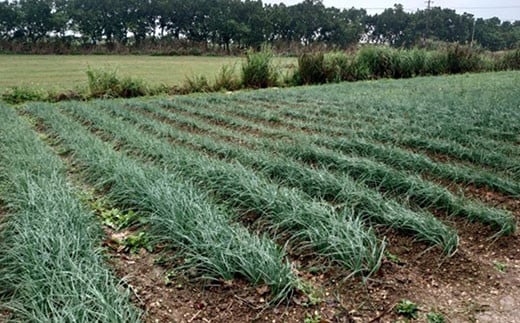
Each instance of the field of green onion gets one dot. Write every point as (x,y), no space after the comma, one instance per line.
(239,185)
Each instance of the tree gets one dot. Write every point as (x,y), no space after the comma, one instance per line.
(390,26)
(345,27)
(36,18)
(487,33)
(310,18)
(9,19)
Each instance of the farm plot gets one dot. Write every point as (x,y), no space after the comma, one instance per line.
(330,203)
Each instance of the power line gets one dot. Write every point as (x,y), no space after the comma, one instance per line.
(456,8)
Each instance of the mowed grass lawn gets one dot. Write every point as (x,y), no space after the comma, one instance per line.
(68,71)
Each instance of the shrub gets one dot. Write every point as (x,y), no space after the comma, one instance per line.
(375,60)
(258,71)
(107,84)
(337,66)
(462,59)
(357,70)
(509,60)
(311,68)
(408,63)
(436,63)
(418,59)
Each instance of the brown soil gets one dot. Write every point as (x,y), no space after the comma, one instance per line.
(491,198)
(4,316)
(480,283)
(446,159)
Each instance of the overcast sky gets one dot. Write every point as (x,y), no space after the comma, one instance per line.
(503,9)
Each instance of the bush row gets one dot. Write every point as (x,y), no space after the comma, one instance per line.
(258,71)
(384,62)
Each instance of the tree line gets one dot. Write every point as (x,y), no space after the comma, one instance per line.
(241,24)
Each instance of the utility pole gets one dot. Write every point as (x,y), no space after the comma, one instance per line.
(427,13)
(473,32)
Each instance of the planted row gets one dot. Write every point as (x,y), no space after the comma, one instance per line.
(51,264)
(179,215)
(339,236)
(387,132)
(468,104)
(319,183)
(423,193)
(390,155)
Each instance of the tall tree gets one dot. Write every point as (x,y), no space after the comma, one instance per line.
(36,18)
(9,19)
(390,26)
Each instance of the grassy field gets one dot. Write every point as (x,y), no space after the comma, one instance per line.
(323,198)
(68,71)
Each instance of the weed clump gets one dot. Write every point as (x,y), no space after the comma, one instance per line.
(509,61)
(407,308)
(20,94)
(258,70)
(107,84)
(311,69)
(462,59)
(225,80)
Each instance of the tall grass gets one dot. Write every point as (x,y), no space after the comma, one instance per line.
(385,62)
(179,215)
(51,264)
(311,69)
(509,60)
(258,70)
(107,84)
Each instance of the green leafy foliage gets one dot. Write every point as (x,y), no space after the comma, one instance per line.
(407,308)
(311,223)
(500,266)
(314,318)
(317,183)
(116,219)
(509,60)
(321,167)
(226,79)
(138,241)
(196,83)
(462,59)
(435,317)
(179,216)
(311,68)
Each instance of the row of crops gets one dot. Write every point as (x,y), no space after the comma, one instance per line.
(239,185)
(50,262)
